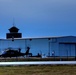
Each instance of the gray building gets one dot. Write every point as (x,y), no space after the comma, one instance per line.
(48,46)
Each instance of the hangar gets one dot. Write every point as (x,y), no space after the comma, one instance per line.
(48,46)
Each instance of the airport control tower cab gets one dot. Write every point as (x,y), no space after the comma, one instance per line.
(13,29)
(13,33)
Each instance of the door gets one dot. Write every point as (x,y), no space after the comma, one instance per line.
(67,49)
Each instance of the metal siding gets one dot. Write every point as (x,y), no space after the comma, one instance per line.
(67,39)
(54,48)
(4,44)
(67,49)
(39,46)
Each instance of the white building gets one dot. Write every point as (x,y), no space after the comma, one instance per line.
(49,46)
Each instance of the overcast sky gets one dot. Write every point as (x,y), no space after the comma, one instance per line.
(38,18)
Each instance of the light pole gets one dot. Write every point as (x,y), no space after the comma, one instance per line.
(49,47)
(67,54)
(75,52)
(49,50)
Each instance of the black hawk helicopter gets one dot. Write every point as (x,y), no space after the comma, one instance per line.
(15,53)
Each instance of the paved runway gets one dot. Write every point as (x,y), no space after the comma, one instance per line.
(39,63)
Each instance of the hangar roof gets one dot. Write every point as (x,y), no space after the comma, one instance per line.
(46,37)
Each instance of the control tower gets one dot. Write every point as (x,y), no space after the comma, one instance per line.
(13,33)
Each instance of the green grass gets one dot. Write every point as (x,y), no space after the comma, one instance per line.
(39,70)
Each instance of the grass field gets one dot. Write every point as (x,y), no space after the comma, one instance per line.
(39,70)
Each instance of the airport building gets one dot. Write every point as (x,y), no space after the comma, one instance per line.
(46,46)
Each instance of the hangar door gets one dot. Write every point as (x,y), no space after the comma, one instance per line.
(67,49)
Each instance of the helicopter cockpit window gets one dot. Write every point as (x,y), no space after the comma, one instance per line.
(4,52)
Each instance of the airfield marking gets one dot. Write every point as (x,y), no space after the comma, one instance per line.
(39,63)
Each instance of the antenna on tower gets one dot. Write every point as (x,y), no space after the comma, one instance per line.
(13,22)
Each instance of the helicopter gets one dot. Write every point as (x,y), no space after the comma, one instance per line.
(9,52)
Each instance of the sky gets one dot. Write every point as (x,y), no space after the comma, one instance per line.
(38,18)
